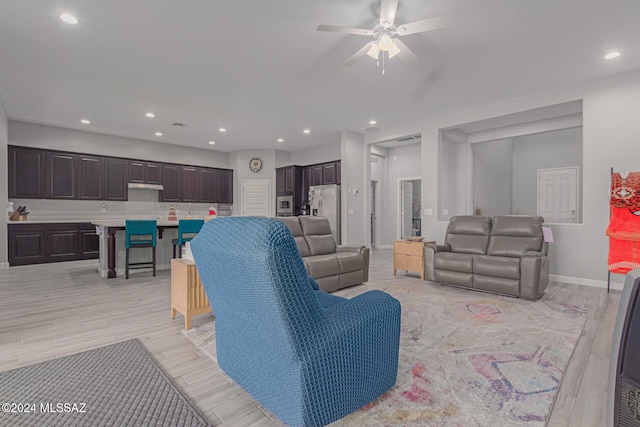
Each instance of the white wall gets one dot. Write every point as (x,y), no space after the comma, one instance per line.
(318,154)
(610,139)
(55,138)
(3,186)
(492,177)
(354,189)
(282,158)
(402,163)
(542,151)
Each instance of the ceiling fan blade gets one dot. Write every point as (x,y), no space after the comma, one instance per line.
(388,9)
(406,55)
(345,30)
(425,25)
(359,54)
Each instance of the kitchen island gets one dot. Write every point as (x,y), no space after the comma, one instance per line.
(112,248)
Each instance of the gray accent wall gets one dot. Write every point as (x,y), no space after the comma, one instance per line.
(354,189)
(492,177)
(327,152)
(545,150)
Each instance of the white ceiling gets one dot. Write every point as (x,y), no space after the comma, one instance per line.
(260,68)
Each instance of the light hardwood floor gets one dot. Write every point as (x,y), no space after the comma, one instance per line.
(53,310)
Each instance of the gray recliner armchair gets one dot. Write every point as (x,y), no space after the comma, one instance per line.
(506,255)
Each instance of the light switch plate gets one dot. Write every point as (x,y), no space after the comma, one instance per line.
(445,212)
(350,211)
(428,211)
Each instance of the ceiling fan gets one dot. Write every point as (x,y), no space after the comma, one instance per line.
(384,33)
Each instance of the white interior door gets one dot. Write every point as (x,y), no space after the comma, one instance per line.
(256,197)
(558,194)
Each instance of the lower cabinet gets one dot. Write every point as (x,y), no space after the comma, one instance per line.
(52,242)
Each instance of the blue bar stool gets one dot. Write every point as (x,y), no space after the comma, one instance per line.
(190,227)
(140,234)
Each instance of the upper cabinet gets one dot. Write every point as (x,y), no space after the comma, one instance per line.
(145,172)
(225,186)
(27,170)
(90,177)
(115,179)
(172,183)
(61,175)
(47,174)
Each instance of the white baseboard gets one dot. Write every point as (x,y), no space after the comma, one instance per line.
(4,265)
(587,282)
(384,247)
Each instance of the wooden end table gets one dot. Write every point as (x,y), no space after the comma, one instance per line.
(409,256)
(187,294)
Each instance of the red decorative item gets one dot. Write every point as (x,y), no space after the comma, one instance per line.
(172,213)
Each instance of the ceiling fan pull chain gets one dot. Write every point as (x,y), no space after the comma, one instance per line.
(383,63)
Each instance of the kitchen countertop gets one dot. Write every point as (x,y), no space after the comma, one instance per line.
(113,222)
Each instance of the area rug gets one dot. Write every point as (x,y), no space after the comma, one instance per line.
(466,358)
(117,385)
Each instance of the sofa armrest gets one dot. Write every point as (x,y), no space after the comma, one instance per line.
(363,250)
(430,252)
(534,275)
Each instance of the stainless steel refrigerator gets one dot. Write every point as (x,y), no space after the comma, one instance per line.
(324,200)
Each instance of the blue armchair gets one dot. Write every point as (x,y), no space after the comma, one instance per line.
(309,357)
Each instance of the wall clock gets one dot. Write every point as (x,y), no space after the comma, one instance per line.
(255,164)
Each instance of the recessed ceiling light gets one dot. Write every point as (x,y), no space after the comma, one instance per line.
(85,121)
(612,55)
(69,19)
(158,133)
(223,130)
(280,140)
(150,115)
(306,131)
(372,122)
(212,142)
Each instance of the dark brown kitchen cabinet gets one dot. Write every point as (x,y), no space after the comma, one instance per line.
(116,179)
(52,242)
(208,185)
(317,177)
(27,172)
(225,186)
(136,171)
(329,173)
(90,177)
(171,183)
(89,241)
(280,184)
(61,175)
(338,172)
(63,242)
(190,188)
(306,183)
(27,244)
(145,172)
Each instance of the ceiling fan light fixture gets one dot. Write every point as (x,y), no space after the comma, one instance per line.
(385,41)
(374,51)
(394,50)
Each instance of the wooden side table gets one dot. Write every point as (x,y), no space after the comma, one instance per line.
(409,256)
(187,294)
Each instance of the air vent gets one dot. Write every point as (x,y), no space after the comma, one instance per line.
(409,138)
(178,124)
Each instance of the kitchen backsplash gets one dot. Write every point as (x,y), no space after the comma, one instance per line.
(141,204)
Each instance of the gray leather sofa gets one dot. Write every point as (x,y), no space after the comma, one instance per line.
(506,255)
(332,266)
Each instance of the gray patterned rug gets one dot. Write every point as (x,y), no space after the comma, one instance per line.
(466,358)
(117,385)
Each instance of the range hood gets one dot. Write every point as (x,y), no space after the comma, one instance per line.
(143,186)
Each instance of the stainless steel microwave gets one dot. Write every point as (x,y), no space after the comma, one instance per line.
(284,205)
